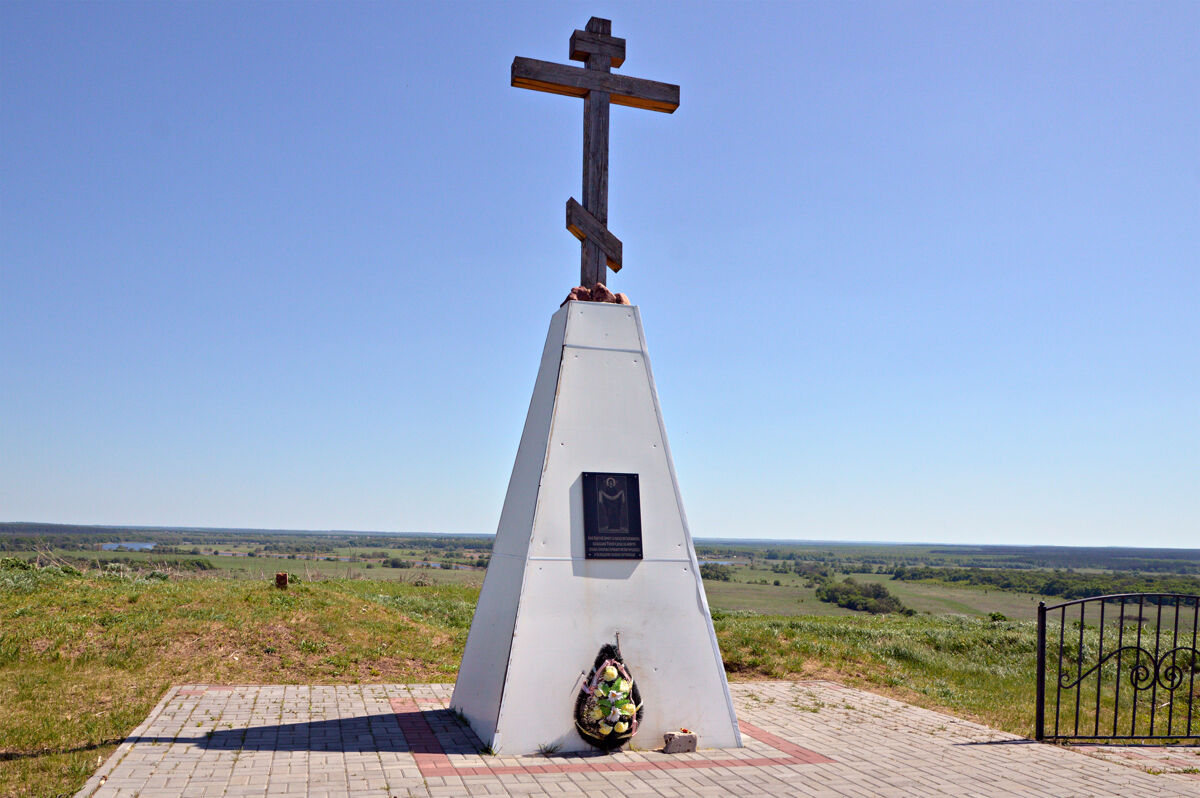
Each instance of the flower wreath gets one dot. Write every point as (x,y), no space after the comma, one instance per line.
(609,706)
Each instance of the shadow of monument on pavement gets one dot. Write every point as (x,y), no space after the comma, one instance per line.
(367,733)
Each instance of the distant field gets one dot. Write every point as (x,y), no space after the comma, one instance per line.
(265,567)
(742,594)
(1098,559)
(792,598)
(794,595)
(769,600)
(18,536)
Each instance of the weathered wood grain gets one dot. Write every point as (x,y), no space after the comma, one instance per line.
(595,83)
(599,25)
(572,81)
(586,227)
(584,44)
(595,170)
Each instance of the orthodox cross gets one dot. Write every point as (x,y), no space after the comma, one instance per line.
(600,51)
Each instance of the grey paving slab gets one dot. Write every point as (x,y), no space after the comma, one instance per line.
(808,739)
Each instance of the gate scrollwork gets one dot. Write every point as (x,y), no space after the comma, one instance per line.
(1135,658)
(1170,676)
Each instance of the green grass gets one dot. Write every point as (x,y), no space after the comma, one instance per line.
(974,668)
(83,659)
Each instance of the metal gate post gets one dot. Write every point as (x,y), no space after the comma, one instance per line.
(1041,672)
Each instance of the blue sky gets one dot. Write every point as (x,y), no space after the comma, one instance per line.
(909,271)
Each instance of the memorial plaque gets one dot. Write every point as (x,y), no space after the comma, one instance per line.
(612,517)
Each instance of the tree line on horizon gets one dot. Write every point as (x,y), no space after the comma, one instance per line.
(1063,584)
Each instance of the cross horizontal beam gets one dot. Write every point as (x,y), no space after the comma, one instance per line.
(530,73)
(586,227)
(585,43)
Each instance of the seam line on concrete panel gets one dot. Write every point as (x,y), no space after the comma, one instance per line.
(604,348)
(585,559)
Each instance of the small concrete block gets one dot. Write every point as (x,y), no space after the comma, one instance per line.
(679,742)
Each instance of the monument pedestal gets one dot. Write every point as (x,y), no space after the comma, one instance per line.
(546,608)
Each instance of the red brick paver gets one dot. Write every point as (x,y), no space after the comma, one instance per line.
(432,760)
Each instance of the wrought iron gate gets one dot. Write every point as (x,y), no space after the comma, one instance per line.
(1124,667)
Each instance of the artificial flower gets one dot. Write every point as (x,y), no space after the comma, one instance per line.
(609,674)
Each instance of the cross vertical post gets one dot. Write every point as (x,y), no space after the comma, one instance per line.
(593,265)
(600,52)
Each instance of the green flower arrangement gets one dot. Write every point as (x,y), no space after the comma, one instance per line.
(609,706)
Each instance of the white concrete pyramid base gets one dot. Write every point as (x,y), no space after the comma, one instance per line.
(545,610)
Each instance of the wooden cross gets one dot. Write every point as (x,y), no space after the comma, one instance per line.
(600,51)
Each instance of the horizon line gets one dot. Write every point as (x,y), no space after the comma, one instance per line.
(742,541)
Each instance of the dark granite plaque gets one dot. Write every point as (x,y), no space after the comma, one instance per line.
(612,517)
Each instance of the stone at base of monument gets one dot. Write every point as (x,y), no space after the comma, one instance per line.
(680,742)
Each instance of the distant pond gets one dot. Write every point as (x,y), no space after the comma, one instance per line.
(128,546)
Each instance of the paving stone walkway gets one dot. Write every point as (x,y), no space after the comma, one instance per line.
(812,739)
(1150,758)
